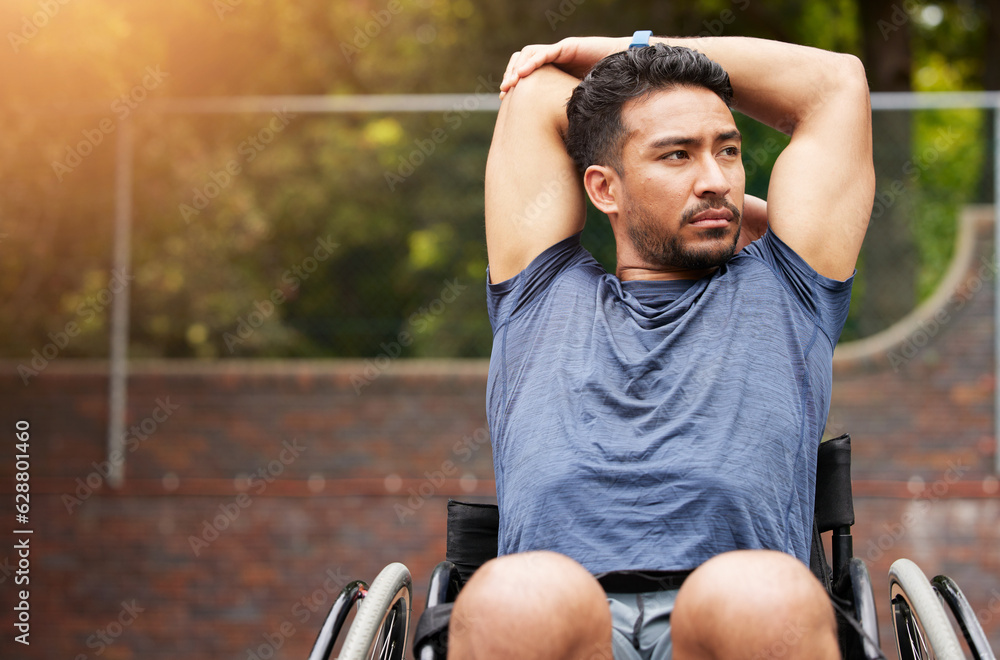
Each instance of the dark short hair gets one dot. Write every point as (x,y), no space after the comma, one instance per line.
(596,133)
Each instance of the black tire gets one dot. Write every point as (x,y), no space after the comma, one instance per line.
(923,630)
(381,625)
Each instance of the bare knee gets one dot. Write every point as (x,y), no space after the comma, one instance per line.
(531,605)
(754,604)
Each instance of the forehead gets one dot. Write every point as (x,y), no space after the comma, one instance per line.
(688,112)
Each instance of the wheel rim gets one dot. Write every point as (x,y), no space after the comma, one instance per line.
(923,629)
(965,616)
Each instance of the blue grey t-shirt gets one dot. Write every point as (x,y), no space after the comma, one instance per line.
(653,425)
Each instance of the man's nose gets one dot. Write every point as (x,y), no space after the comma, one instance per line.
(712,180)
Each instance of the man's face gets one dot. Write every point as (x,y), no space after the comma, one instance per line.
(683,179)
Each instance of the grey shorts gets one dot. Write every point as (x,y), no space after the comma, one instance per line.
(641,625)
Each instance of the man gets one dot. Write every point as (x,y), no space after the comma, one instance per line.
(665,418)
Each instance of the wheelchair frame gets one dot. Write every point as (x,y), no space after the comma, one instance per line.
(381,626)
(921,625)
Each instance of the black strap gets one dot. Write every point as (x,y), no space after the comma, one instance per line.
(817,560)
(637,582)
(637,628)
(854,623)
(432,628)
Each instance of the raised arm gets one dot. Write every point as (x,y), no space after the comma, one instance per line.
(534,196)
(823,183)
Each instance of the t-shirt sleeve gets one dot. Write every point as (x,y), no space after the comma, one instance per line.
(510,296)
(826,300)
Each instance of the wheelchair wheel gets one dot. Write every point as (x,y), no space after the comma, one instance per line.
(922,627)
(966,617)
(327,638)
(380,627)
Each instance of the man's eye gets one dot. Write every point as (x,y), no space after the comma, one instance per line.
(674,155)
(731,151)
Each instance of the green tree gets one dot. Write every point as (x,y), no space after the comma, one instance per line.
(403,229)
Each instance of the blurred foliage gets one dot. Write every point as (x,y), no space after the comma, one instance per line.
(340,235)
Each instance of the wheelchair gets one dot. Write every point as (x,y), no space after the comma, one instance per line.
(921,624)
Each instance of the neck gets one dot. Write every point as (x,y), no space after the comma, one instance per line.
(631,266)
(628,273)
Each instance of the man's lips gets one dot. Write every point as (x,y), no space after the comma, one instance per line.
(712,218)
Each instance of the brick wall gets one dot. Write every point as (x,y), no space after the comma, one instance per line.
(254,490)
(920,411)
(349,483)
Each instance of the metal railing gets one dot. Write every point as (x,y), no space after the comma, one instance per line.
(474,102)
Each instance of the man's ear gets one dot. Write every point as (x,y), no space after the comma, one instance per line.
(603,186)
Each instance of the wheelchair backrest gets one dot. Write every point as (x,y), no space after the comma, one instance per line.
(473,528)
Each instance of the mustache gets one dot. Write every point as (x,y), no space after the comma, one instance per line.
(708,204)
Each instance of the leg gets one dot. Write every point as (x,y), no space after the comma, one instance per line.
(754,605)
(532,605)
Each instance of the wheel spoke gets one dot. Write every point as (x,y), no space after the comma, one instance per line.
(385,637)
(379,630)
(923,630)
(916,639)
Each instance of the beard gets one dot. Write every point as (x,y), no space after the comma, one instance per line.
(658,247)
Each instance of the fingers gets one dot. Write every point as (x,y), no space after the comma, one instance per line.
(508,74)
(574,55)
(523,62)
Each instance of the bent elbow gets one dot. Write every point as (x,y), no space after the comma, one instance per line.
(540,95)
(851,76)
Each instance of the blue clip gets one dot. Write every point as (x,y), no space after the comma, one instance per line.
(640,38)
